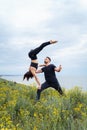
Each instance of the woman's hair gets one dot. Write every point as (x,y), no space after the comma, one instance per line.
(28,75)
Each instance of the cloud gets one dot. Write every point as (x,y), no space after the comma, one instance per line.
(83,4)
(25,14)
(23,21)
(25,24)
(74,55)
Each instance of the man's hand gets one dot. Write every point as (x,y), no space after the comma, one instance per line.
(38,71)
(58,69)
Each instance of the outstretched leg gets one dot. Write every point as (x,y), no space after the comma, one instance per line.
(35,51)
(58,88)
(43,86)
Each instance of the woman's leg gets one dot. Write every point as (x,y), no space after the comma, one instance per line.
(33,71)
(38,49)
(35,51)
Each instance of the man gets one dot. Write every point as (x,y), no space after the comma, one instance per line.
(50,77)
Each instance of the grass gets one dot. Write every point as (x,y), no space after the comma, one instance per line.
(20,111)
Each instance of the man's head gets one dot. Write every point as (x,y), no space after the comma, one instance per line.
(47,60)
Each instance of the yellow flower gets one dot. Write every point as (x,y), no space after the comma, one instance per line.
(80,105)
(35,128)
(4,129)
(35,115)
(84,114)
(77,109)
(55,112)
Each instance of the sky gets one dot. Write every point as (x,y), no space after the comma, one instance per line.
(25,24)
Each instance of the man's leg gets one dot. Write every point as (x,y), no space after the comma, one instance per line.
(58,88)
(45,85)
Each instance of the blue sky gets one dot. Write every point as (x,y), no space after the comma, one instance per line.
(25,24)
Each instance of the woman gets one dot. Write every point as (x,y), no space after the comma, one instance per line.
(34,63)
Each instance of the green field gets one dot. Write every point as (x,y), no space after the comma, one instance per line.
(20,111)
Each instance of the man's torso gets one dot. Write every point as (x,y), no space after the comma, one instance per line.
(49,73)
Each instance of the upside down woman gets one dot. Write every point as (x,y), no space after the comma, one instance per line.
(34,62)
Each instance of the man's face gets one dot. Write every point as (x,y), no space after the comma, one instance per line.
(46,60)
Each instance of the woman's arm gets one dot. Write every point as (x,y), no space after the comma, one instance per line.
(36,78)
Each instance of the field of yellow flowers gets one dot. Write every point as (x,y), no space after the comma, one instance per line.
(20,111)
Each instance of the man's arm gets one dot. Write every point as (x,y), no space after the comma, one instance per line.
(42,65)
(39,71)
(58,69)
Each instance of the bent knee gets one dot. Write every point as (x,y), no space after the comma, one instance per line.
(30,54)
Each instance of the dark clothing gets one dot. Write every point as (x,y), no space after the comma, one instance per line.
(35,65)
(33,53)
(51,80)
(49,74)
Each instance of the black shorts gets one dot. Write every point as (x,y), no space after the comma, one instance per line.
(35,65)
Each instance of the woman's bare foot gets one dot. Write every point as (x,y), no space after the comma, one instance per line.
(39,87)
(53,41)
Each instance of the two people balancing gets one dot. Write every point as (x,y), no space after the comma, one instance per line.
(47,68)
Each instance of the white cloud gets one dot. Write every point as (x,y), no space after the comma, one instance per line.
(25,14)
(83,4)
(73,55)
(24,24)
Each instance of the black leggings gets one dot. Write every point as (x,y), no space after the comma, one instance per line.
(33,53)
(45,85)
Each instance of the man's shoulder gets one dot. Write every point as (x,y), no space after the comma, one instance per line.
(52,65)
(49,65)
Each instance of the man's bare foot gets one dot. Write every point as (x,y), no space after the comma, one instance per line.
(53,41)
